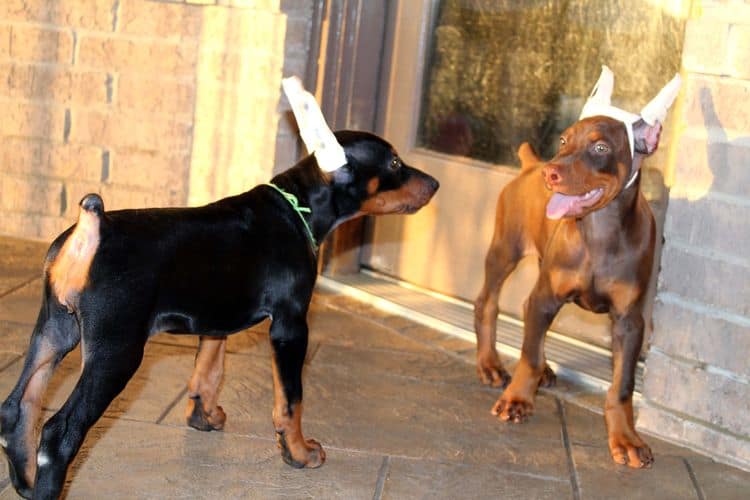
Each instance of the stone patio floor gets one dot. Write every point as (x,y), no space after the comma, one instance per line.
(396,405)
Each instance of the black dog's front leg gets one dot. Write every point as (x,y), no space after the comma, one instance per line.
(289,341)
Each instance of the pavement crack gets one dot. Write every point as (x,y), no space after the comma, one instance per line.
(385,469)
(694,480)
(574,482)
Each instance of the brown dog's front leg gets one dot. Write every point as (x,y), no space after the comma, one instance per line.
(625,445)
(517,401)
(203,389)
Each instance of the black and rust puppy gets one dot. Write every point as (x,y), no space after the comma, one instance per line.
(116,278)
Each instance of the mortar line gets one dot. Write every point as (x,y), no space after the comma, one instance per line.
(385,468)
(172,405)
(694,480)
(18,287)
(568,451)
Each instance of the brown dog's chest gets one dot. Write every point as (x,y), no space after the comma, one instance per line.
(595,275)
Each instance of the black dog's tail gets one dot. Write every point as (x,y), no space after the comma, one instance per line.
(92,203)
(69,270)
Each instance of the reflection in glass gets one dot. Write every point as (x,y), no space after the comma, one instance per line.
(502,72)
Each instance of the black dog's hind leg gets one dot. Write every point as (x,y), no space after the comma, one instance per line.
(56,333)
(203,389)
(107,367)
(289,341)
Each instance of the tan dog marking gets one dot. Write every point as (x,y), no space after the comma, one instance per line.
(287,420)
(203,389)
(69,273)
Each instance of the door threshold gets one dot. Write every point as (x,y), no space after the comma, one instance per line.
(571,359)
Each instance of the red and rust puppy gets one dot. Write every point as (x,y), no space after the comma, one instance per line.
(583,215)
(116,278)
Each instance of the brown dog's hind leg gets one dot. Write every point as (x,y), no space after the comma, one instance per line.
(203,389)
(625,445)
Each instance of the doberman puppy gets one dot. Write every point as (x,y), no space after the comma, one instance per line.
(583,215)
(116,278)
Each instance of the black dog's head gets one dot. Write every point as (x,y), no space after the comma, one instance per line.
(375,180)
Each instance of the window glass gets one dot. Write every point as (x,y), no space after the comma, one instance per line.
(502,72)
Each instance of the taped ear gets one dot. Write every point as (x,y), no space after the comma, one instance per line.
(646,136)
(317,136)
(652,114)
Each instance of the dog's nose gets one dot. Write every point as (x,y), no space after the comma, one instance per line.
(434,184)
(551,175)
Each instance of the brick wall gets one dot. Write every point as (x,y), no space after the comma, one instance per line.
(150,103)
(697,383)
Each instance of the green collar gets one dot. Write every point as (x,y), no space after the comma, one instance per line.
(295,205)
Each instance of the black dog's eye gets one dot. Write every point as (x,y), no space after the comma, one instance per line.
(395,164)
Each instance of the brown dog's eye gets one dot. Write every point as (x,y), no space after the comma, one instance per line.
(563,142)
(395,164)
(601,148)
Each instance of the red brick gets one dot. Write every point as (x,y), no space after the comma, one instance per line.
(88,14)
(118,130)
(164,20)
(33,226)
(150,170)
(716,102)
(30,194)
(5,41)
(705,48)
(155,95)
(32,43)
(56,83)
(32,157)
(141,56)
(32,120)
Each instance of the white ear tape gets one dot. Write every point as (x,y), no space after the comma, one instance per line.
(598,103)
(656,110)
(318,138)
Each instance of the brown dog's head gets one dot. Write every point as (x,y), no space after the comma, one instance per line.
(594,164)
(375,181)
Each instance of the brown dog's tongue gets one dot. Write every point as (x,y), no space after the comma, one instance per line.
(559,205)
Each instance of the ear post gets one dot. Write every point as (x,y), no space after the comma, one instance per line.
(317,136)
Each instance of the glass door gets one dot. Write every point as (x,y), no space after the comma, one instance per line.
(468,82)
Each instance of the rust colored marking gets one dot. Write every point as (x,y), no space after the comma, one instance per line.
(625,445)
(406,199)
(373,185)
(31,405)
(203,412)
(517,401)
(287,420)
(69,273)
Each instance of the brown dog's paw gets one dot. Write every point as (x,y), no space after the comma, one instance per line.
(513,408)
(199,419)
(311,455)
(549,379)
(630,451)
(491,371)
